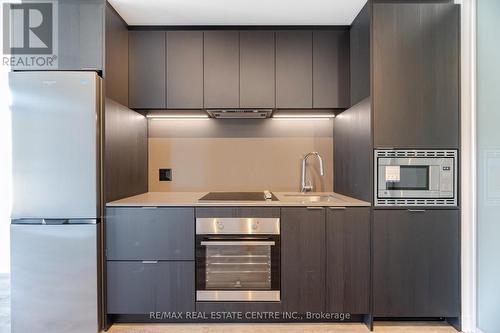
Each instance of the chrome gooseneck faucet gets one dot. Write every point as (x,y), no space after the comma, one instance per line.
(309,187)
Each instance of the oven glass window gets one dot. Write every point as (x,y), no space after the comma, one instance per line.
(411,177)
(246,267)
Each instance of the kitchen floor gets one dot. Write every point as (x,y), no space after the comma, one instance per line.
(4,303)
(381,327)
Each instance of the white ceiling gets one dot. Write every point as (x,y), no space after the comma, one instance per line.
(238,12)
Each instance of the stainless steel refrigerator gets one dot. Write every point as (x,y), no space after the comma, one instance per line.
(56,201)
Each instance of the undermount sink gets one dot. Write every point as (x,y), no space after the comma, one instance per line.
(312,197)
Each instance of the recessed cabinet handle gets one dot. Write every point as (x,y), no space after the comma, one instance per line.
(150,261)
(337,208)
(314,208)
(416,210)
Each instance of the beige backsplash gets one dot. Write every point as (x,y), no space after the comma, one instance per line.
(238,155)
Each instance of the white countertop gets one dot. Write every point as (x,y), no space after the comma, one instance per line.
(177,199)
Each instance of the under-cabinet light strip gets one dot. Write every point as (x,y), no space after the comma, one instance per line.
(303,117)
(177,117)
(276,117)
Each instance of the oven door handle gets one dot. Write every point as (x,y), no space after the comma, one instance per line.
(218,243)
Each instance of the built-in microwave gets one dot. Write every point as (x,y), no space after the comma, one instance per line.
(415,177)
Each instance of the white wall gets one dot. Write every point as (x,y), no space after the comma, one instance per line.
(488,165)
(5,171)
(5,162)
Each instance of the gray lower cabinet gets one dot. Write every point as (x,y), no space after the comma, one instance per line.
(184,69)
(257,83)
(330,69)
(149,233)
(221,69)
(348,260)
(416,53)
(294,69)
(135,287)
(303,259)
(147,70)
(416,263)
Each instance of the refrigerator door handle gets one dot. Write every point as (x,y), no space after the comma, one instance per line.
(55,221)
(27,221)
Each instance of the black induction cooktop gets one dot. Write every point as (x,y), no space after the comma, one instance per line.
(236,196)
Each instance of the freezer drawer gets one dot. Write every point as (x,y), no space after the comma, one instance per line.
(54,278)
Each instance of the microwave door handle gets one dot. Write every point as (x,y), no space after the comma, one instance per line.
(236,243)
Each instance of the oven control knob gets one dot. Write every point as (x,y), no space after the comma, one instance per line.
(255,225)
(220,225)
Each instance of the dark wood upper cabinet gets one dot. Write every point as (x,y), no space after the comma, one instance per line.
(80,35)
(221,69)
(416,75)
(303,259)
(359,54)
(416,263)
(348,260)
(147,69)
(116,60)
(184,69)
(294,69)
(285,69)
(257,82)
(330,69)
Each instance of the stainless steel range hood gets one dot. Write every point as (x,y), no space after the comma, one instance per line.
(240,113)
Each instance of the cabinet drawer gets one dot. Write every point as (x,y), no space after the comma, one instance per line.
(150,234)
(136,287)
(129,289)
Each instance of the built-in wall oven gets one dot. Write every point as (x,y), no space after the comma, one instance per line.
(238,259)
(415,177)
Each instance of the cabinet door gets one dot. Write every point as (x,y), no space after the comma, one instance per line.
(257,83)
(135,287)
(359,63)
(175,284)
(129,287)
(221,68)
(303,259)
(147,69)
(184,69)
(416,75)
(150,233)
(331,69)
(348,260)
(416,263)
(294,69)
(80,34)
